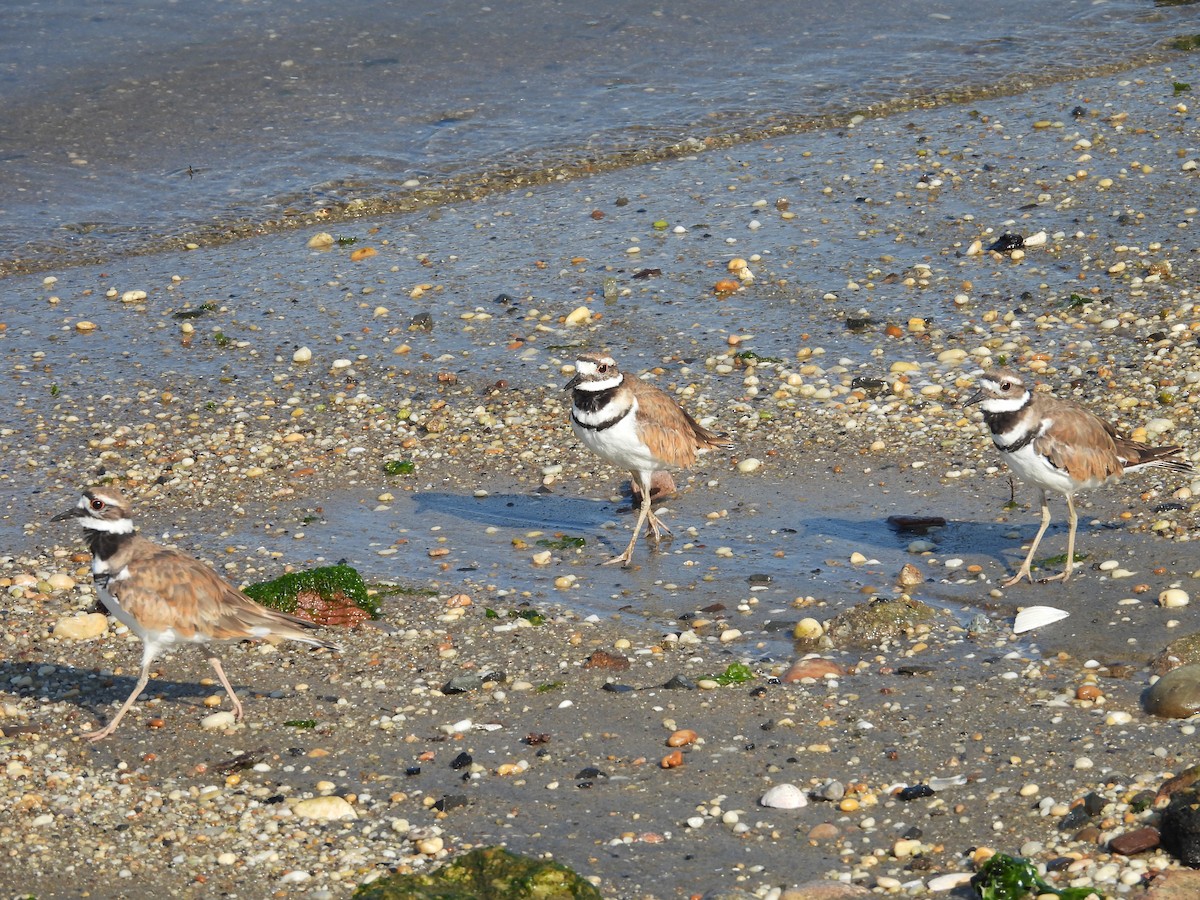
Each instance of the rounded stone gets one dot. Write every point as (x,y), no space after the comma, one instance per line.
(1176,695)
(327,809)
(81,628)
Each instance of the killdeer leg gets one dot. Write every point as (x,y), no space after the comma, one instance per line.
(1024,571)
(237,704)
(143,679)
(643,514)
(1073,520)
(658,528)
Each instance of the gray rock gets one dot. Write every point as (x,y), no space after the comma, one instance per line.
(1176,695)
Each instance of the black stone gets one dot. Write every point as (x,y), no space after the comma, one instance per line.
(1180,828)
(461,761)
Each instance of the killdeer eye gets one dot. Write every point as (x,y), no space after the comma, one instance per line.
(602,368)
(97,504)
(1005,385)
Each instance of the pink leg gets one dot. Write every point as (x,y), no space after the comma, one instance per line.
(237,704)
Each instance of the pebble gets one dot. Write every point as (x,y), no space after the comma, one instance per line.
(784,796)
(218,721)
(748,465)
(326,808)
(1173,597)
(81,628)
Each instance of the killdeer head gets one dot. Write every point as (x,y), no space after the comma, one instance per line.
(594,372)
(1000,391)
(101,509)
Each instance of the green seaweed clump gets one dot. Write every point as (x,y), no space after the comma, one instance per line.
(735,673)
(1006,877)
(489,873)
(326,581)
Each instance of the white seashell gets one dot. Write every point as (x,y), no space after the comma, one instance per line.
(949,881)
(1036,240)
(784,796)
(1032,617)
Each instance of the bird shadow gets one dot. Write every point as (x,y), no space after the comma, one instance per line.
(94,691)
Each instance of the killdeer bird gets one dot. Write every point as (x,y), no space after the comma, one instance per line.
(1059,446)
(166,597)
(636,426)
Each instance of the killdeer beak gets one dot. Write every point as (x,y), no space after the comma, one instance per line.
(570,385)
(73,513)
(974,398)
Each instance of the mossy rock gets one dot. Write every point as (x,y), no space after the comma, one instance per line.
(877,620)
(489,873)
(329,595)
(1182,651)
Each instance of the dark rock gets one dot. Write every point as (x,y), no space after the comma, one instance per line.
(914,792)
(451,801)
(1075,819)
(616,688)
(1176,695)
(1006,243)
(461,761)
(916,524)
(1135,841)
(1094,804)
(680,682)
(1180,827)
(461,684)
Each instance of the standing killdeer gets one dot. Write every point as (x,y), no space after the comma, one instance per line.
(636,426)
(166,597)
(1059,446)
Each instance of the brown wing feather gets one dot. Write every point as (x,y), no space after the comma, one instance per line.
(672,435)
(173,590)
(1081,443)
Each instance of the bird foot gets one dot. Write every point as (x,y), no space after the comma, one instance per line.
(1023,573)
(623,559)
(99,735)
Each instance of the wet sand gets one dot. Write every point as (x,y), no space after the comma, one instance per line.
(838,368)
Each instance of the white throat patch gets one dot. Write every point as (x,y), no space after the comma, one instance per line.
(113,526)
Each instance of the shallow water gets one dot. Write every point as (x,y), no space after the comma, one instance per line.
(128,128)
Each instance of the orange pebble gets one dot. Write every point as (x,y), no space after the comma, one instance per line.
(672,760)
(362,253)
(681,738)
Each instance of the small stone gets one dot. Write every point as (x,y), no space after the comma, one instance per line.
(784,796)
(327,809)
(1173,597)
(302,355)
(1135,841)
(81,628)
(748,465)
(218,721)
(579,316)
(61,581)
(815,668)
(808,629)
(910,576)
(681,738)
(322,240)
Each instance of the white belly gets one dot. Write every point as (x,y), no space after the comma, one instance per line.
(1034,468)
(620,445)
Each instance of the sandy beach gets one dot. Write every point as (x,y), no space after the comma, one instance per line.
(839,371)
